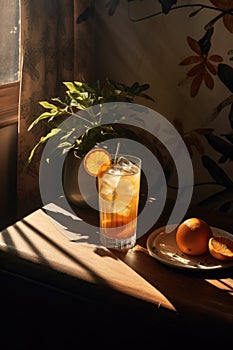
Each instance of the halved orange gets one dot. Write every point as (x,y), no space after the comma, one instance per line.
(221,248)
(95,160)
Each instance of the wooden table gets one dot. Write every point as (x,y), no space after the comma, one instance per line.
(111,293)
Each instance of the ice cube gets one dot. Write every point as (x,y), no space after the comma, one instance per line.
(124,164)
(111,178)
(127,165)
(122,161)
(107,193)
(109,183)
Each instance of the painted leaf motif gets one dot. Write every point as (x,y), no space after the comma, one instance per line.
(227,207)
(222,4)
(196,83)
(217,200)
(204,131)
(189,148)
(216,58)
(220,145)
(194,45)
(231,119)
(195,70)
(223,159)
(225,73)
(205,41)
(166,5)
(228,22)
(208,80)
(196,141)
(211,68)
(229,137)
(216,172)
(190,60)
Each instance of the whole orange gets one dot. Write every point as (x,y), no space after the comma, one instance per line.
(192,236)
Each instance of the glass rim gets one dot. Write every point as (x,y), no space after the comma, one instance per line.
(137,162)
(126,155)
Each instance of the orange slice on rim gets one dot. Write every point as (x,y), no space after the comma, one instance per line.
(221,248)
(95,160)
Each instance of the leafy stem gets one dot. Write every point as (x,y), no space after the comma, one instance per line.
(77,103)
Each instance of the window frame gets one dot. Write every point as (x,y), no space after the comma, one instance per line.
(9,102)
(9,95)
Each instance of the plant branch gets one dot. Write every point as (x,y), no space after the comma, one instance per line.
(213,21)
(201,6)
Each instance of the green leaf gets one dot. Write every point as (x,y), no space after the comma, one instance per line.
(70,85)
(52,133)
(31,155)
(45,115)
(47,105)
(78,83)
(64,144)
(216,172)
(60,100)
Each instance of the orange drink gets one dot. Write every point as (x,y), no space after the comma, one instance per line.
(118,187)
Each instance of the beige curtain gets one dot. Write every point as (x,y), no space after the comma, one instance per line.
(47,59)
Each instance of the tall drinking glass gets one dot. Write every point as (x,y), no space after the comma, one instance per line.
(118,187)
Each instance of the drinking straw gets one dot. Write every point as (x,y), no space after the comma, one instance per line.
(117,151)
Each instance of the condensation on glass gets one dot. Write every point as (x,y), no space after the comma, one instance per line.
(9,41)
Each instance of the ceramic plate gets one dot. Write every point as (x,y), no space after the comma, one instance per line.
(162,246)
